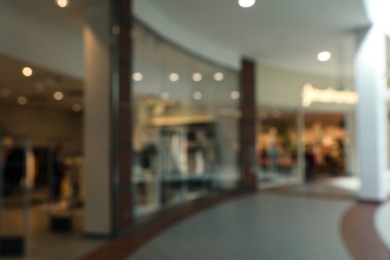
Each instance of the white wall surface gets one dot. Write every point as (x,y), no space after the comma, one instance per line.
(372,116)
(97,123)
(37,41)
(282,88)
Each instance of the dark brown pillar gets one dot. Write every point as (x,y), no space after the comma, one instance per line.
(121,58)
(248,124)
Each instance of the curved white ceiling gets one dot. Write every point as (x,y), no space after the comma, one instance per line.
(282,33)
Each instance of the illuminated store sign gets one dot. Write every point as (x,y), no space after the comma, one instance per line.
(311,94)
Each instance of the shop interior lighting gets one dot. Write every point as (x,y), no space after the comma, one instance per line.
(324,56)
(62,3)
(58,95)
(197,77)
(164,95)
(22,100)
(219,76)
(5,92)
(276,114)
(246,3)
(76,107)
(27,71)
(173,77)
(138,76)
(235,95)
(263,115)
(197,95)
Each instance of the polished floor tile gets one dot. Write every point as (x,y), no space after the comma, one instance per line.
(264,226)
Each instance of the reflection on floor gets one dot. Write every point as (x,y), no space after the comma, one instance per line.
(349,185)
(343,188)
(345,183)
(269,179)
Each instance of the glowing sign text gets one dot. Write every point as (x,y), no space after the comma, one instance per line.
(311,94)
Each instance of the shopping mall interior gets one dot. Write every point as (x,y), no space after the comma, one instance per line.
(163,129)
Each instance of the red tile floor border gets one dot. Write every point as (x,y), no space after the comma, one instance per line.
(308,194)
(359,233)
(357,225)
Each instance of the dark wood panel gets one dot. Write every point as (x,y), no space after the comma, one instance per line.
(121,51)
(248,124)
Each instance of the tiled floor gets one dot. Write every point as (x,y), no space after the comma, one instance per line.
(294,223)
(264,226)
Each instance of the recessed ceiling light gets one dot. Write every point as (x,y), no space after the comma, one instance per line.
(76,107)
(197,95)
(138,76)
(219,76)
(58,95)
(197,77)
(164,95)
(174,77)
(27,71)
(22,100)
(324,56)
(62,3)
(246,3)
(235,95)
(5,92)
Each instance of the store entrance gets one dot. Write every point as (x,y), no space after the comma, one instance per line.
(325,139)
(295,147)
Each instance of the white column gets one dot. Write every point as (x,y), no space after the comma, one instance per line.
(97,125)
(370,80)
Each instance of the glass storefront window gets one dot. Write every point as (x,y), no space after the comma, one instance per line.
(185,121)
(388,59)
(325,141)
(277,147)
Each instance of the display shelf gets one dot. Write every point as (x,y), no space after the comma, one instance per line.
(187,177)
(188,197)
(142,210)
(143,178)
